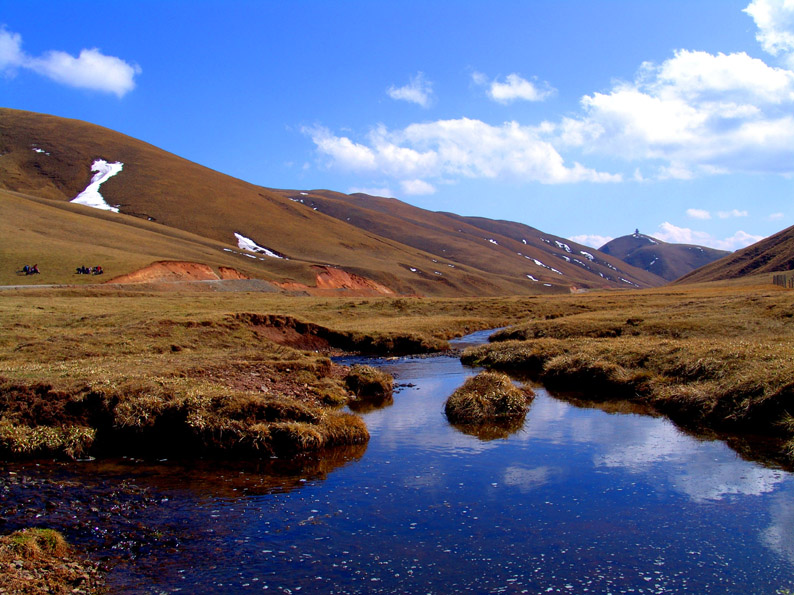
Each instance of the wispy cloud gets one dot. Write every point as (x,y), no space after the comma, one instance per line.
(683,235)
(514,88)
(91,69)
(592,240)
(418,90)
(372,191)
(776,216)
(698,214)
(417,187)
(731,213)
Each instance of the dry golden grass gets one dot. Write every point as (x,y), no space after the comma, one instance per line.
(487,398)
(100,371)
(720,356)
(38,561)
(206,366)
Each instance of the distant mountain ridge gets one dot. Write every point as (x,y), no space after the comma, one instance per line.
(668,261)
(226,222)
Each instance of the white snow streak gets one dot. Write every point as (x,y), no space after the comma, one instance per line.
(91,197)
(244,243)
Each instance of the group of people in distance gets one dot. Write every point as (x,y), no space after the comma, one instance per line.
(83,270)
(97,270)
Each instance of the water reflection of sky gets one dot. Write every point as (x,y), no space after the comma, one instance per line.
(633,488)
(577,501)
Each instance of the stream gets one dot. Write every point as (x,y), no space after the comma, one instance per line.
(577,500)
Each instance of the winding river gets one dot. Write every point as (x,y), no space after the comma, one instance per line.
(578,500)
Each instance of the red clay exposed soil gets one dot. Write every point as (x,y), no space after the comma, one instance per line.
(230,273)
(330,281)
(171,271)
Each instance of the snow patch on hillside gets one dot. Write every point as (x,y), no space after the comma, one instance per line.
(244,243)
(587,255)
(545,266)
(562,245)
(91,197)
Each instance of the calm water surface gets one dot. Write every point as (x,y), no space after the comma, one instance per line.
(577,501)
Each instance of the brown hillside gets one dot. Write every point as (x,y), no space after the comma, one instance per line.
(502,247)
(772,254)
(403,248)
(669,261)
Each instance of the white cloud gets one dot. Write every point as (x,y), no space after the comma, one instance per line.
(417,187)
(419,90)
(775,22)
(683,235)
(514,88)
(732,213)
(342,150)
(776,216)
(698,214)
(455,148)
(90,70)
(382,191)
(696,114)
(592,240)
(11,55)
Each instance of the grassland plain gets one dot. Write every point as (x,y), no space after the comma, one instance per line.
(108,370)
(103,370)
(716,356)
(97,370)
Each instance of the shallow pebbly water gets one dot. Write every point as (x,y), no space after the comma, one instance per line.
(577,501)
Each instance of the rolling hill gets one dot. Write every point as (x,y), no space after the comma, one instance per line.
(174,210)
(668,261)
(772,254)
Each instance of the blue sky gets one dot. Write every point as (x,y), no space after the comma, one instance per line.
(585,119)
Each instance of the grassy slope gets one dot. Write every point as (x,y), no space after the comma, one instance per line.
(60,236)
(775,253)
(465,241)
(183,195)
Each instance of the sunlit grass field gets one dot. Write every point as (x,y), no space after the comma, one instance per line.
(136,364)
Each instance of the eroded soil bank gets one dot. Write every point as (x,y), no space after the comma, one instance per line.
(281,400)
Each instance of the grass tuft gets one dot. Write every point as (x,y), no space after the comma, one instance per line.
(487,397)
(35,544)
